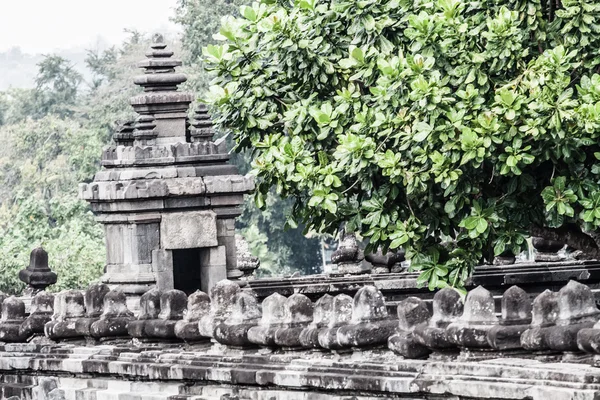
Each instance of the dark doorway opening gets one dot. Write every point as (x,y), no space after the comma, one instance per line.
(186,270)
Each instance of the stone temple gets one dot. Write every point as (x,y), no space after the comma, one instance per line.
(166,195)
(177,315)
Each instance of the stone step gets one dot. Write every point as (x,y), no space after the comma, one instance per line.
(22,391)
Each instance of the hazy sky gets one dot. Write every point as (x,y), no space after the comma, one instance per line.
(41,26)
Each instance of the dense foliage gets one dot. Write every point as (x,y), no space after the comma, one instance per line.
(280,250)
(451,128)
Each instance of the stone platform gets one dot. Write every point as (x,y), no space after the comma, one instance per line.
(207,372)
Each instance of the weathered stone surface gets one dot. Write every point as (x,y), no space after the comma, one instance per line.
(114,318)
(546,250)
(221,305)
(273,314)
(297,315)
(341,315)
(188,230)
(38,276)
(370,324)
(543,316)
(516,317)
(478,318)
(172,305)
(69,308)
(322,314)
(149,310)
(576,310)
(40,313)
(246,262)
(244,316)
(349,257)
(411,312)
(447,308)
(198,307)
(13,315)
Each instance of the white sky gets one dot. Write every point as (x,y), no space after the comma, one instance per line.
(42,26)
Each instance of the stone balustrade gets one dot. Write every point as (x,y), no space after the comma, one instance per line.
(554,325)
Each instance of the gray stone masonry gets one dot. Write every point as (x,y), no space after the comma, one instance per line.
(166,194)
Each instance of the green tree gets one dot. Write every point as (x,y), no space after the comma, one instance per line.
(57,84)
(450,128)
(41,165)
(264,229)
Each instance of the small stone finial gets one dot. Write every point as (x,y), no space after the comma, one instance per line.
(38,276)
(69,308)
(158,40)
(349,256)
(149,310)
(382,263)
(341,314)
(202,127)
(272,319)
(124,133)
(298,314)
(516,317)
(115,317)
(543,317)
(40,313)
(144,131)
(198,307)
(245,315)
(221,305)
(322,314)
(172,306)
(13,315)
(576,311)
(159,68)
(246,262)
(478,318)
(370,324)
(547,250)
(447,308)
(411,313)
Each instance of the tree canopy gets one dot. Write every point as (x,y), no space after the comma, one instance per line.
(454,129)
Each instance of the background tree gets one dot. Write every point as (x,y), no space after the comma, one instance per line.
(450,128)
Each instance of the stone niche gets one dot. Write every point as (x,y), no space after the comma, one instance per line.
(167,195)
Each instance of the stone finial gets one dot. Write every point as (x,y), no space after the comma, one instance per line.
(115,317)
(322,314)
(244,316)
(202,127)
(516,317)
(40,313)
(172,306)
(547,250)
(272,319)
(341,314)
(69,308)
(94,299)
(13,315)
(478,318)
(246,262)
(149,310)
(159,69)
(144,131)
(221,305)
(411,313)
(298,313)
(370,324)
(576,311)
(543,316)
(38,276)
(383,263)
(349,256)
(124,133)
(447,308)
(198,307)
